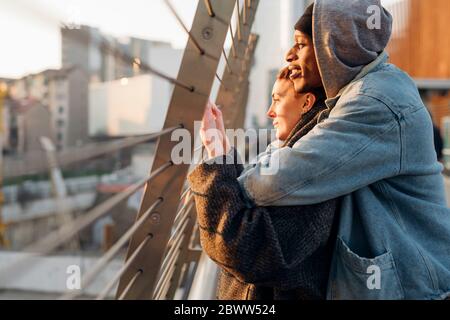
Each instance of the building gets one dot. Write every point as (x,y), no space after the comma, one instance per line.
(5,124)
(4,115)
(33,122)
(87,58)
(130,106)
(25,122)
(63,93)
(92,51)
(135,105)
(116,85)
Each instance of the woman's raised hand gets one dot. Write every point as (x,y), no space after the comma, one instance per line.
(212,132)
(220,126)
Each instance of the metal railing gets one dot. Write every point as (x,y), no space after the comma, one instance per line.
(35,162)
(164,249)
(172,236)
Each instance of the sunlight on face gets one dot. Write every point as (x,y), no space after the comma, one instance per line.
(286,109)
(303,64)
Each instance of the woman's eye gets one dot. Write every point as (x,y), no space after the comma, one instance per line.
(300,45)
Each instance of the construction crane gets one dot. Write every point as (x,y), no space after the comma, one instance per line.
(59,187)
(3,96)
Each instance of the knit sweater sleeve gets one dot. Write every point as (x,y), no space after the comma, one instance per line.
(259,245)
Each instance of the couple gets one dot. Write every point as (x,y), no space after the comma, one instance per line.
(357,208)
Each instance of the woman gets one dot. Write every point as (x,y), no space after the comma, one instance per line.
(264,252)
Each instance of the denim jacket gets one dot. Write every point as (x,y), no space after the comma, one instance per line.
(375,150)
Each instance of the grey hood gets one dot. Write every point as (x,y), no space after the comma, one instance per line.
(343,42)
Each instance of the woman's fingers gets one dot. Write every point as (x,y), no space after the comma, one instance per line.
(219,122)
(208,120)
(221,127)
(216,111)
(213,118)
(218,117)
(213,141)
(212,132)
(208,126)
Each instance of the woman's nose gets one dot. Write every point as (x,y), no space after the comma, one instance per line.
(291,55)
(271,113)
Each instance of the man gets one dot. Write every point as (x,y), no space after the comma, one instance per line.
(375,149)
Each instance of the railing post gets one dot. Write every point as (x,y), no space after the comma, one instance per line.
(186,107)
(231,87)
(238,84)
(202,288)
(183,257)
(236,115)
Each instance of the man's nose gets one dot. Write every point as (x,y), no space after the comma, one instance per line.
(291,55)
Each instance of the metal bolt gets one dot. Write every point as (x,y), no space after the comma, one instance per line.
(155,218)
(207,33)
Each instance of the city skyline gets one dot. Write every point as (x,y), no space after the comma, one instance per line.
(33,23)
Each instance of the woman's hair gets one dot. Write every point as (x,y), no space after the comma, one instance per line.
(284,74)
(318,92)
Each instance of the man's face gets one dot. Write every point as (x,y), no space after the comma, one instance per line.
(303,64)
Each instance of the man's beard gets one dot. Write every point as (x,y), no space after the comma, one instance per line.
(304,89)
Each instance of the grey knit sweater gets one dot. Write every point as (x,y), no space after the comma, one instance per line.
(265,253)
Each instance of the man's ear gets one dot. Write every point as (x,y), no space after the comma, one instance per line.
(310,100)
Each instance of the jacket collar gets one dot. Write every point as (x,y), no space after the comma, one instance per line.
(381,59)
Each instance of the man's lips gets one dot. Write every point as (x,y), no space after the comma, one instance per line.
(296,72)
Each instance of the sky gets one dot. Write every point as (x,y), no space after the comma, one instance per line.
(29,29)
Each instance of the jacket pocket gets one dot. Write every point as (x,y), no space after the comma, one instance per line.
(357,278)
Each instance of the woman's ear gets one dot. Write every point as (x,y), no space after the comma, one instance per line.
(310,100)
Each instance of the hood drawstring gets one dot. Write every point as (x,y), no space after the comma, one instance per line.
(323,115)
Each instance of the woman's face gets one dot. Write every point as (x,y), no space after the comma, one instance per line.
(288,107)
